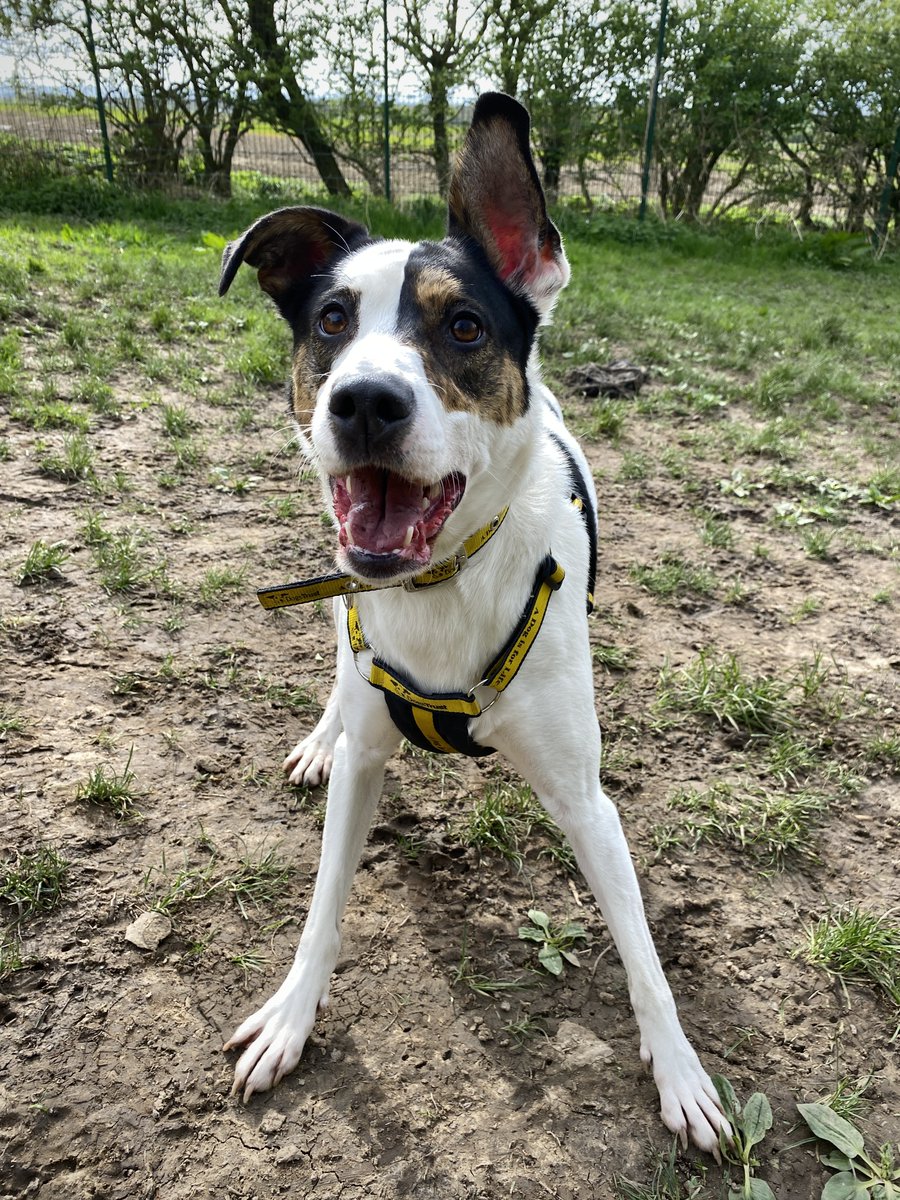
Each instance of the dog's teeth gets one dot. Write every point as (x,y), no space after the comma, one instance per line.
(409,536)
(348,484)
(425,502)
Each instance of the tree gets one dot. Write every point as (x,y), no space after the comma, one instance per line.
(279,46)
(445,42)
(727,71)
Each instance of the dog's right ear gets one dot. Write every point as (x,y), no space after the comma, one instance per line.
(289,246)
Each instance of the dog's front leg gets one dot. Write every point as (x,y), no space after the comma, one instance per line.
(578,804)
(275,1035)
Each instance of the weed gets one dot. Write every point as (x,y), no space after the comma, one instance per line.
(258,880)
(50,414)
(112,791)
(93,530)
(635,467)
(606,420)
(674,576)
(860,1174)
(805,609)
(42,563)
(120,560)
(720,689)
(556,942)
(34,882)
(749,1125)
(858,947)
(884,748)
(847,1098)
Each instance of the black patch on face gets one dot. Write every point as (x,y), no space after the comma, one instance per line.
(444,280)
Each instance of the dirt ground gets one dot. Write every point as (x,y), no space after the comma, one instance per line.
(113,1082)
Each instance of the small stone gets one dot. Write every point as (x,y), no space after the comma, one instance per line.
(148,930)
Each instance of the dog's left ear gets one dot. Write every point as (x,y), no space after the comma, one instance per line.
(288,247)
(496,198)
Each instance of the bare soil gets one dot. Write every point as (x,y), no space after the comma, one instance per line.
(113,1082)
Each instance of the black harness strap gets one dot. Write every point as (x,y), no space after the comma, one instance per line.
(582,495)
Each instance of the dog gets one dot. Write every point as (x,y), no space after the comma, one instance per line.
(465,527)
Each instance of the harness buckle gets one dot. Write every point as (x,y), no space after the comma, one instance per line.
(485,684)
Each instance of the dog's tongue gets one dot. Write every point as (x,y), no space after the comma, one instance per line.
(385,511)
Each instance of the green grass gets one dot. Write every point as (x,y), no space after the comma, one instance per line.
(35,881)
(673,577)
(110,789)
(719,687)
(505,818)
(43,562)
(859,947)
(772,826)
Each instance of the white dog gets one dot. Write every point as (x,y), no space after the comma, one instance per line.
(465,528)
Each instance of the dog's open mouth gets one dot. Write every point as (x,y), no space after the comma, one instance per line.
(388,524)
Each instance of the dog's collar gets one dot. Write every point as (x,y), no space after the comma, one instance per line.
(324,587)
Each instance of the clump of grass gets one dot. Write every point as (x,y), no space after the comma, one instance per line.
(716,532)
(34,882)
(606,420)
(10,956)
(859,947)
(120,559)
(50,414)
(719,688)
(673,577)
(481,984)
(43,562)
(176,421)
(11,720)
(112,791)
(502,821)
(218,583)
(614,658)
(773,826)
(258,879)
(73,463)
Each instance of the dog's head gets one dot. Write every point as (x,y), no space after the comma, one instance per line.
(409,381)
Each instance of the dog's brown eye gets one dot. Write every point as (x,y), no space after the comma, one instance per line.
(466,328)
(333,321)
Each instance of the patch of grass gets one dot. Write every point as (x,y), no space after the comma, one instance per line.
(258,879)
(176,421)
(481,984)
(42,562)
(34,882)
(614,658)
(674,577)
(50,414)
(73,463)
(11,720)
(773,826)
(112,791)
(121,562)
(817,543)
(218,583)
(716,532)
(10,956)
(884,748)
(504,818)
(858,947)
(720,688)
(606,422)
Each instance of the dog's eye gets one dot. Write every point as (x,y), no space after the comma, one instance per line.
(333,321)
(466,328)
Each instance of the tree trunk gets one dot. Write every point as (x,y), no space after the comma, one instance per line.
(438,105)
(293,113)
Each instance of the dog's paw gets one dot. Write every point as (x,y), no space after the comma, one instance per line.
(688,1100)
(274,1038)
(309,763)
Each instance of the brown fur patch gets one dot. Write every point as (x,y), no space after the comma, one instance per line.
(305,387)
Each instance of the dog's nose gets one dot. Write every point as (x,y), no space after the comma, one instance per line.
(368,414)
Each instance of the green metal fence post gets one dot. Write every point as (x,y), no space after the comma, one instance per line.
(387,108)
(95,70)
(651,115)
(881,223)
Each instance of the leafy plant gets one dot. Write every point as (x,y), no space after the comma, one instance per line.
(860,1176)
(113,791)
(749,1125)
(556,942)
(34,882)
